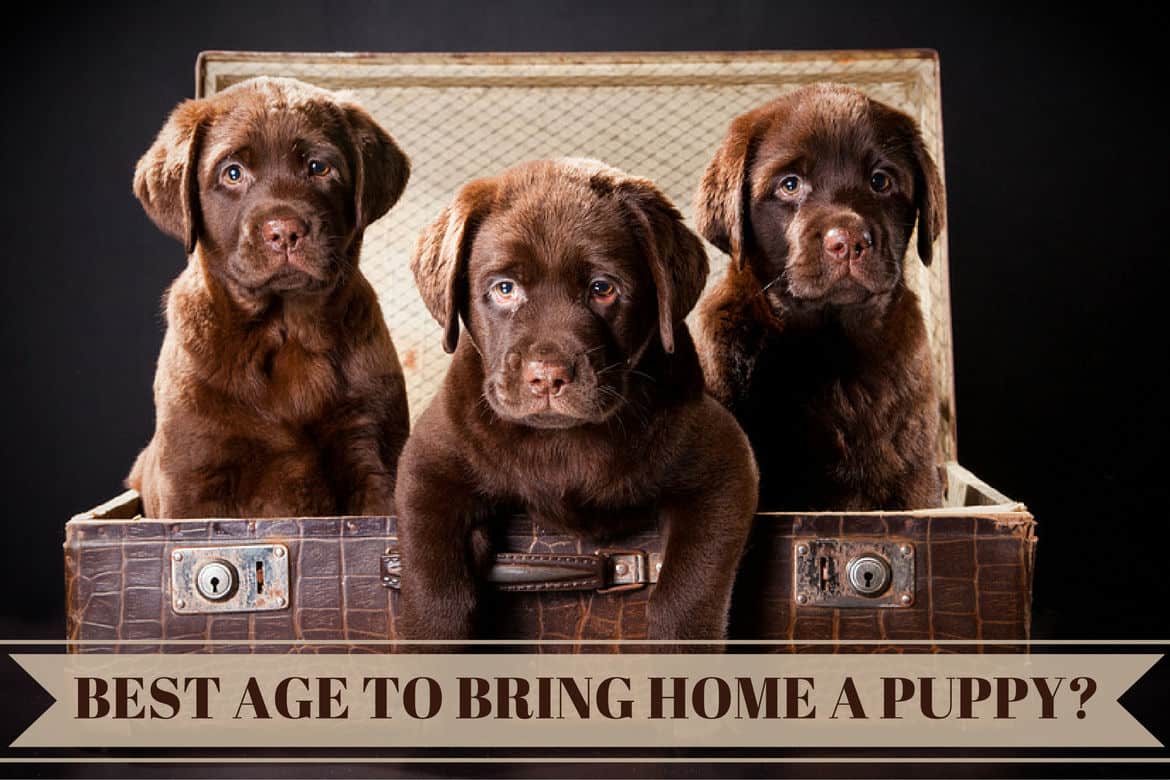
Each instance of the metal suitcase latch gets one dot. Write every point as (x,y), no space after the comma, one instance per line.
(851,573)
(242,578)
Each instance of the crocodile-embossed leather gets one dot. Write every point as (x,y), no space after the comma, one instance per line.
(118,585)
(974,578)
(118,581)
(974,581)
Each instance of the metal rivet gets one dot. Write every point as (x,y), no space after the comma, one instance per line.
(621,568)
(278,552)
(906,550)
(802,549)
(280,601)
(176,556)
(802,599)
(907,599)
(180,604)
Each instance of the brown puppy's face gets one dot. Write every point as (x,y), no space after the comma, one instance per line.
(832,201)
(832,183)
(561,301)
(275,181)
(276,197)
(566,273)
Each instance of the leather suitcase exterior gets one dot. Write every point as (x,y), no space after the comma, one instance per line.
(341,587)
(970,579)
(960,572)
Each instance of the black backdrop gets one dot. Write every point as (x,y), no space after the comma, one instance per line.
(1058,179)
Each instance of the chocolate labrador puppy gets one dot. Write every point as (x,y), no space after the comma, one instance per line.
(812,339)
(278,390)
(574,395)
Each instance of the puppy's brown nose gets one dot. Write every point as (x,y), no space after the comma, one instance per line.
(284,234)
(847,244)
(547,377)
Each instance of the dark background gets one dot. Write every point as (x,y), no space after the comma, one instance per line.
(1057,171)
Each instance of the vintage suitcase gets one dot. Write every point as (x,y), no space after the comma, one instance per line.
(961,572)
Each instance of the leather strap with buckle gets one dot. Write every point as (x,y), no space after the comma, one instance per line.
(606,571)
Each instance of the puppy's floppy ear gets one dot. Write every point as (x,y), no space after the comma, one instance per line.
(929,199)
(721,200)
(677,259)
(439,264)
(381,168)
(166,179)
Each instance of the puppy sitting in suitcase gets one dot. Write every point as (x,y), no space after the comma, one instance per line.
(812,338)
(575,395)
(278,391)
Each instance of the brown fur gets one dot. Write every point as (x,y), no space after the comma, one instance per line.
(824,363)
(278,390)
(631,440)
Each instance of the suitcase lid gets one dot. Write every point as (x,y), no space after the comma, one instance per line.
(661,116)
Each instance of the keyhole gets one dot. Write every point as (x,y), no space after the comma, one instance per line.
(868,575)
(216,580)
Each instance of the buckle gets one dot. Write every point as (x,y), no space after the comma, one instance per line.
(624,570)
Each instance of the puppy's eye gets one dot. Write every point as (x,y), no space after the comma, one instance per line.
(790,185)
(602,291)
(233,174)
(880,182)
(506,292)
(318,168)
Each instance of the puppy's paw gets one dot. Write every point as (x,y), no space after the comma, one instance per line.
(704,624)
(433,617)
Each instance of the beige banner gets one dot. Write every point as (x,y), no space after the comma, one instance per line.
(526,700)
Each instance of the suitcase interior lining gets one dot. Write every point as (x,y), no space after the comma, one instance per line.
(655,115)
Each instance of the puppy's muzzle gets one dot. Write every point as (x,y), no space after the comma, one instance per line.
(847,244)
(547,377)
(284,235)
(544,369)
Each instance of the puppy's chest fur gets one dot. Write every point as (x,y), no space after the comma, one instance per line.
(595,488)
(287,370)
(597,480)
(837,419)
(275,368)
(242,401)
